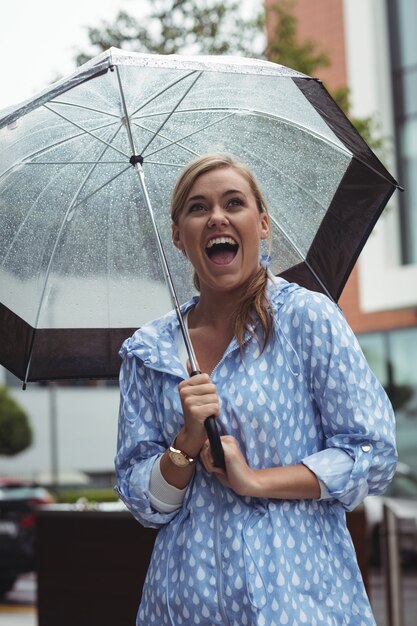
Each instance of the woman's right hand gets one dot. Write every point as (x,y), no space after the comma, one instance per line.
(199,400)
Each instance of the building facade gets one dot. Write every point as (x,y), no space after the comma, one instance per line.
(372,49)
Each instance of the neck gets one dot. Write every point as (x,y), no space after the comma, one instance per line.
(215,310)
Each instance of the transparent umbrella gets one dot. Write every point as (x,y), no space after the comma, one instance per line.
(86,171)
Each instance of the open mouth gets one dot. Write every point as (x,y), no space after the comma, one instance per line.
(222,250)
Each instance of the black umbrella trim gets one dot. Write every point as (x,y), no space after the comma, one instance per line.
(356,206)
(347,224)
(319,97)
(77,352)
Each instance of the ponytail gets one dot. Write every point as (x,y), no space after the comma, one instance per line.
(254,308)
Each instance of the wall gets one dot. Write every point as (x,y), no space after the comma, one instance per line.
(381,293)
(384,284)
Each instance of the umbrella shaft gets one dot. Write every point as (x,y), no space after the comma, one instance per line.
(167,272)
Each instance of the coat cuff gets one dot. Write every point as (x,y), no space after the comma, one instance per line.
(333,469)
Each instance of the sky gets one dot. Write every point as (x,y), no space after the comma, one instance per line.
(39,40)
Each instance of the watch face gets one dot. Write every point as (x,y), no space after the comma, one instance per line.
(178,458)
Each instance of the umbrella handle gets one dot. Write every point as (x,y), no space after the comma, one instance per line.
(213,437)
(215,442)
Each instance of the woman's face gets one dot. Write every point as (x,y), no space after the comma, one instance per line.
(220,228)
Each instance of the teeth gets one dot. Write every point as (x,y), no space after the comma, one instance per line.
(220,240)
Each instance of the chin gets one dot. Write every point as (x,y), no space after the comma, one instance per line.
(224,284)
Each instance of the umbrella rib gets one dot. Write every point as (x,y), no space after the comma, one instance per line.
(34,204)
(85,108)
(86,131)
(46,149)
(164,90)
(239,110)
(67,140)
(126,115)
(110,180)
(154,97)
(167,273)
(69,213)
(171,142)
(51,258)
(74,163)
(176,141)
(17,233)
(301,255)
(180,165)
(72,205)
(293,181)
(184,95)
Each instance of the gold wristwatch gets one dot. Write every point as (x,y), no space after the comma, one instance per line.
(178,457)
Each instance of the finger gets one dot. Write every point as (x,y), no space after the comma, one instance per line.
(196,381)
(196,402)
(193,402)
(206,458)
(208,461)
(198,390)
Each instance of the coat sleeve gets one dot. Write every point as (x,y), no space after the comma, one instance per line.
(139,442)
(359,456)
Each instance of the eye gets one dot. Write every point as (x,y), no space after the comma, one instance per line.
(235,202)
(196,208)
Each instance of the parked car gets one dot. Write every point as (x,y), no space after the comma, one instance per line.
(402,487)
(18,503)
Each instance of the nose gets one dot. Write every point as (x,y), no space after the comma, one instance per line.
(218,217)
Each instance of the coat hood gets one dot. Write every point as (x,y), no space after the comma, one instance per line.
(153,341)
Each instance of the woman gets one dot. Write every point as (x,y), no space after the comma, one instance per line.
(307,430)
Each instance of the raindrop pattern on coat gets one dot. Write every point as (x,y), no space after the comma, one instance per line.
(310,397)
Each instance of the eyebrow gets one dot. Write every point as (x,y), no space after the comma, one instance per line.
(226,193)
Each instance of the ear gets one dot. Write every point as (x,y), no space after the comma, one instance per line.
(176,238)
(264,226)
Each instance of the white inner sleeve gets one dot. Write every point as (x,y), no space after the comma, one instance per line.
(324,492)
(164,497)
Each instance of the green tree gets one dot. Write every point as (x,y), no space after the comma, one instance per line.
(215,27)
(186,26)
(306,57)
(15,430)
(284,47)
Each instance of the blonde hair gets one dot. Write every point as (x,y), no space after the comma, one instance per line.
(254,303)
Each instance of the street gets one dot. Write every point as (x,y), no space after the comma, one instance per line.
(18,608)
(378,599)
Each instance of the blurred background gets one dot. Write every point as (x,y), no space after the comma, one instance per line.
(365,52)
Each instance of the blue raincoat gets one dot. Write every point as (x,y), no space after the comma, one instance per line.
(310,398)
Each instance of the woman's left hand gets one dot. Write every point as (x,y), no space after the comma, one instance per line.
(238,475)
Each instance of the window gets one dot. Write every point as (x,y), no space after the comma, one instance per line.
(402,16)
(393,358)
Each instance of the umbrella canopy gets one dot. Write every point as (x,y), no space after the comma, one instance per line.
(79,266)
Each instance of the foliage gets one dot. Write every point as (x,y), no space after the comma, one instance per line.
(186,26)
(306,57)
(71,496)
(213,27)
(15,430)
(284,47)
(368,127)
